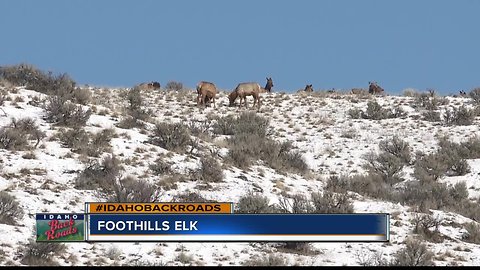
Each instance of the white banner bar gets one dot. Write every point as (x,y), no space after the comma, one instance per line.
(238,238)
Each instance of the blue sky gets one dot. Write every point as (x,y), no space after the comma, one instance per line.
(342,44)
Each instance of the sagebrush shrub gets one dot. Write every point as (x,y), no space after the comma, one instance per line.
(430,167)
(449,160)
(12,139)
(375,111)
(461,116)
(82,96)
(190,197)
(35,79)
(252,123)
(427,227)
(469,149)
(18,133)
(174,86)
(10,209)
(210,170)
(3,97)
(355,113)
(99,175)
(385,164)
(199,128)
(225,125)
(426,195)
(330,203)
(472,146)
(472,234)
(431,116)
(372,184)
(101,140)
(244,149)
(299,204)
(426,101)
(475,94)
(129,122)
(270,260)
(397,147)
(130,189)
(136,106)
(415,253)
(294,161)
(73,138)
(64,113)
(467,208)
(160,167)
(367,258)
(251,142)
(339,184)
(41,253)
(174,137)
(32,78)
(459,167)
(253,204)
(423,195)
(83,142)
(459,191)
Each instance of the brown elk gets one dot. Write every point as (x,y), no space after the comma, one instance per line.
(358,91)
(206,91)
(149,86)
(232,97)
(247,89)
(374,88)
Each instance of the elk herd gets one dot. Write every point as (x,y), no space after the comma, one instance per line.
(207,91)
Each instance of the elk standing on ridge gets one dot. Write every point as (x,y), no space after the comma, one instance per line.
(269,85)
(308,88)
(247,89)
(374,88)
(150,85)
(206,91)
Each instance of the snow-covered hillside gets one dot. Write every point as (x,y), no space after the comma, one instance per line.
(319,125)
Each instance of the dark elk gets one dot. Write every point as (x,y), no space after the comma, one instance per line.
(149,86)
(269,85)
(374,88)
(308,88)
(206,91)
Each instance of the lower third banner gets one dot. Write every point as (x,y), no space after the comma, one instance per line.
(238,227)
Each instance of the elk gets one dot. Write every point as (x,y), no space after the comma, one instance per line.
(308,88)
(150,85)
(374,88)
(269,85)
(357,91)
(206,91)
(247,89)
